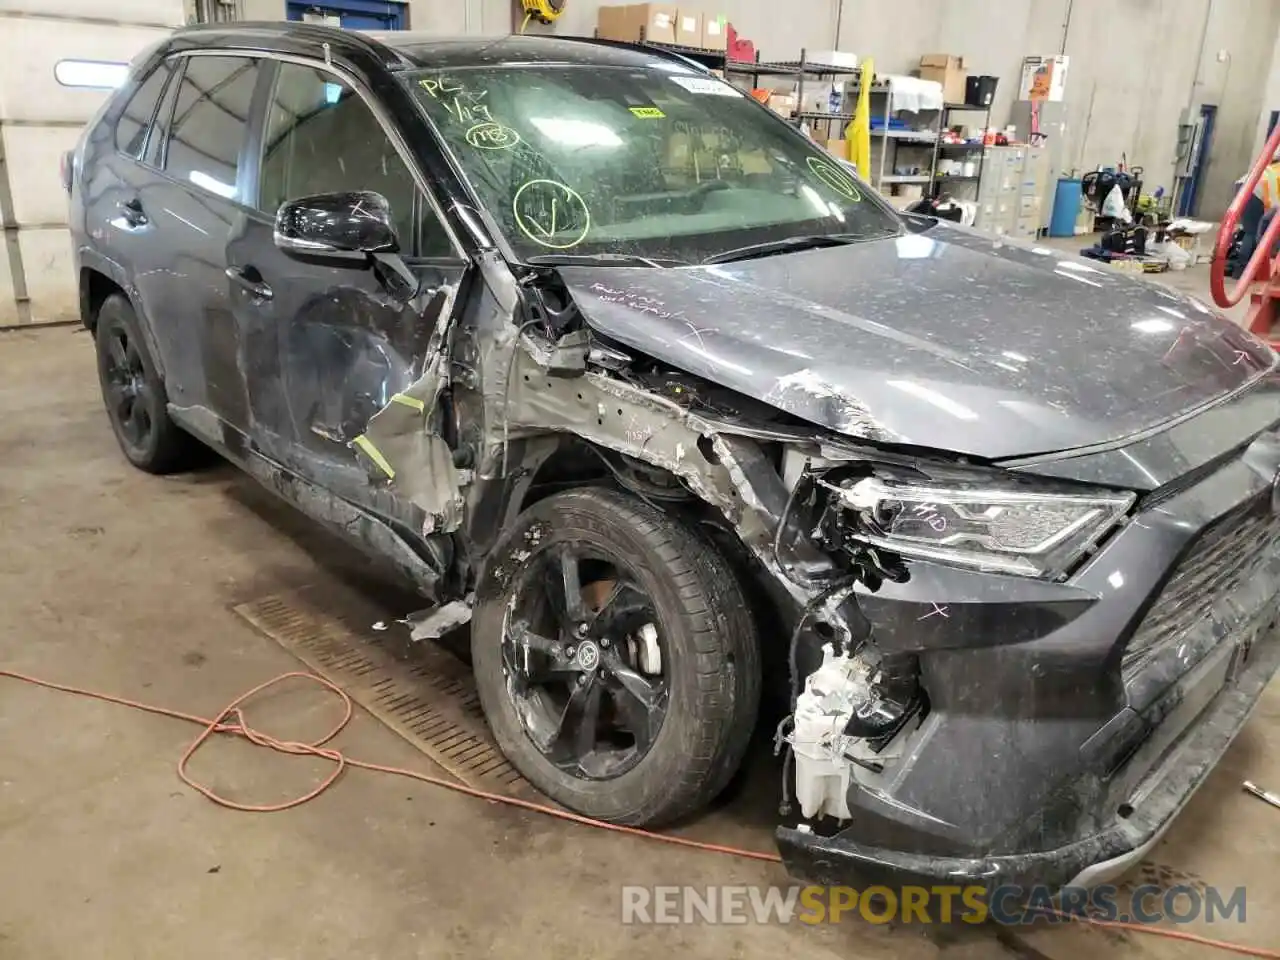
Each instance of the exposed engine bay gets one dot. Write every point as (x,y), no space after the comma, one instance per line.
(850,703)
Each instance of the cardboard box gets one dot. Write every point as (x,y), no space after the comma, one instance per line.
(617,23)
(948,70)
(818,97)
(659,20)
(783,105)
(655,22)
(715,31)
(833,58)
(689,28)
(837,148)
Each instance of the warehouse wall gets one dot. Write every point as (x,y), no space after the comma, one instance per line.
(1136,65)
(38,120)
(1237,86)
(261,9)
(442,17)
(1270,99)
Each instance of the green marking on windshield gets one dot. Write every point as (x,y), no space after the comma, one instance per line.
(545,208)
(492,136)
(461,103)
(553,152)
(835,178)
(439,85)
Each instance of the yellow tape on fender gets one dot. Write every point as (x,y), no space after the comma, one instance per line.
(365,445)
(409,401)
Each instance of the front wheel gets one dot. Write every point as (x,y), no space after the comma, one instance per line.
(616,658)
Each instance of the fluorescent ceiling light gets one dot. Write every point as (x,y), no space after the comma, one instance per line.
(91,74)
(576,133)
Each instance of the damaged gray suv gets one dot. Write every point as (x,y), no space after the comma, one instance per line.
(614,363)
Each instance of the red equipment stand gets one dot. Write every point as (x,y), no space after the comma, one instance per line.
(1261,276)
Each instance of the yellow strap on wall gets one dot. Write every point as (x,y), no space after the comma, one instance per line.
(374,454)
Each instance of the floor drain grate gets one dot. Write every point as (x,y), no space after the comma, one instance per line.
(419,690)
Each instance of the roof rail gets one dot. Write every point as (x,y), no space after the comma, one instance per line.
(636,45)
(309,31)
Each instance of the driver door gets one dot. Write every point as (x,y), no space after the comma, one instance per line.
(329,343)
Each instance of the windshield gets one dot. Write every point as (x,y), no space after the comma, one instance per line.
(661,163)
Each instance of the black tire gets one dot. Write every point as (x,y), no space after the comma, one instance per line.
(134,393)
(711,650)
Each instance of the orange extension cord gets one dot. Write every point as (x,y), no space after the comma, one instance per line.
(231,721)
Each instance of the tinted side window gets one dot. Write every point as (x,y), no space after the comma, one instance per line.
(210,116)
(322,138)
(158,141)
(132,127)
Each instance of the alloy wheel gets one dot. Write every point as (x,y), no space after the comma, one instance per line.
(582,655)
(130,399)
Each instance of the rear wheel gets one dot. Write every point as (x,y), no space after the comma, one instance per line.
(135,395)
(615,658)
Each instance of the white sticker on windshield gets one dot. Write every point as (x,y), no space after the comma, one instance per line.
(708,85)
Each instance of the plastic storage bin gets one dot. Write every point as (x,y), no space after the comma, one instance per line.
(980,91)
(1066,207)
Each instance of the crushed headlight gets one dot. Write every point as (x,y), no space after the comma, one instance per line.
(987,528)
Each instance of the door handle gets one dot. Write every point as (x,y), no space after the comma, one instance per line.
(132,213)
(251,280)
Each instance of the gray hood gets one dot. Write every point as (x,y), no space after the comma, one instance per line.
(945,339)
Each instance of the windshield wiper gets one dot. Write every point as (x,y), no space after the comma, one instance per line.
(617,259)
(786,245)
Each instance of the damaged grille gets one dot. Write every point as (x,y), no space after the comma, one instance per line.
(1228,553)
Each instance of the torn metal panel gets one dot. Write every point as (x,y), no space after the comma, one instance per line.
(435,623)
(736,480)
(352,523)
(411,454)
(619,417)
(494,503)
(333,362)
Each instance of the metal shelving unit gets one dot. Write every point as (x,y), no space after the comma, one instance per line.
(755,69)
(908,136)
(942,179)
(719,60)
(820,115)
(891,139)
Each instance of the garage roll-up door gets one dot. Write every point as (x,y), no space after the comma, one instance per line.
(39,119)
(356,14)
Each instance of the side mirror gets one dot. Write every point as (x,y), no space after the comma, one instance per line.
(336,224)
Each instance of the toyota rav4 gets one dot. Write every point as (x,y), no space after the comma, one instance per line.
(615,364)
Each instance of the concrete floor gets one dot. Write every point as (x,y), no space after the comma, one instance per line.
(121,581)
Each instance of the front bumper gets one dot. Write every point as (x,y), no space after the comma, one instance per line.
(1085,862)
(1052,754)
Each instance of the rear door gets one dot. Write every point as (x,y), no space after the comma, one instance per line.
(329,345)
(118,173)
(200,144)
